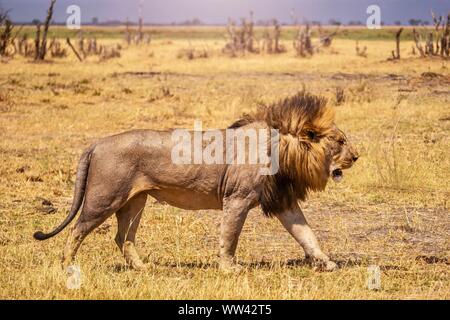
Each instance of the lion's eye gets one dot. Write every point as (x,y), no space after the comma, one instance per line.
(311,135)
(341,142)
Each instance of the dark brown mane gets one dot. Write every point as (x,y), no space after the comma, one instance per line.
(303,122)
(287,115)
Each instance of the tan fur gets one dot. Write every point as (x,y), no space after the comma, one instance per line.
(343,153)
(118,173)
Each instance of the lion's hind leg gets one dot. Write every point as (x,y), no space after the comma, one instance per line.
(84,225)
(128,218)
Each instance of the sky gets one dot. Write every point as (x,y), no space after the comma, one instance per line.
(218,11)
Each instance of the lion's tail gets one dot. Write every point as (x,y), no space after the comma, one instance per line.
(80,187)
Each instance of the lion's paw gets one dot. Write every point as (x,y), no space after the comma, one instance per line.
(229,268)
(322,264)
(138,266)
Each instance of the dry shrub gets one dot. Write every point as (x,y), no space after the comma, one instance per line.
(436,41)
(361,92)
(109,52)
(91,47)
(302,43)
(394,166)
(6,101)
(361,52)
(136,37)
(25,47)
(192,53)
(339,96)
(56,49)
(6,36)
(271,39)
(240,39)
(164,92)
(88,46)
(397,160)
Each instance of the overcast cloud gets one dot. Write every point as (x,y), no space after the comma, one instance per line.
(218,11)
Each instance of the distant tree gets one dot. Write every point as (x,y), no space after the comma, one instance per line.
(398,23)
(192,22)
(334,22)
(94,20)
(355,23)
(414,22)
(36,21)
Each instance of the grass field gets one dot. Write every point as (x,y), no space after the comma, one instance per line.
(391,210)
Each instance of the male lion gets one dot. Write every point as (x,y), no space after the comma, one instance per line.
(117,173)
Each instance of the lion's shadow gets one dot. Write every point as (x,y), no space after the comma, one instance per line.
(265,265)
(293,263)
(341,263)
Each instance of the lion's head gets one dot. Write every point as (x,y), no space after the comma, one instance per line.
(342,152)
(311,149)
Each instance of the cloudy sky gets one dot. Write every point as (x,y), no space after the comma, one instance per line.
(218,11)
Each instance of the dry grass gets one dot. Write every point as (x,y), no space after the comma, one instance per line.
(392,208)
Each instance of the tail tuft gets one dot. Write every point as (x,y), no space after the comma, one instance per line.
(39,235)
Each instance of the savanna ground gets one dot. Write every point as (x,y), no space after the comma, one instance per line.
(391,210)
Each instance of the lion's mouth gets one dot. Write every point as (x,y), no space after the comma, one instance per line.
(337,175)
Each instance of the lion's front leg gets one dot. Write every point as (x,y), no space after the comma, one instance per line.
(295,223)
(234,214)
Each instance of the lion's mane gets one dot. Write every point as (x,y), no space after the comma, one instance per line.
(304,122)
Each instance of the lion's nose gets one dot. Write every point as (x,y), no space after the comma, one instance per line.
(355,158)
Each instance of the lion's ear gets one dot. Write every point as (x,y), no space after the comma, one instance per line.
(323,121)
